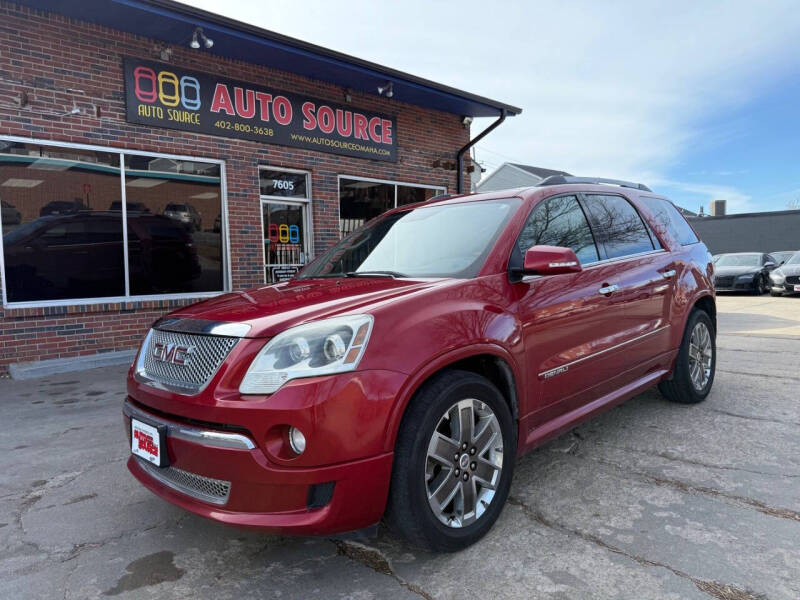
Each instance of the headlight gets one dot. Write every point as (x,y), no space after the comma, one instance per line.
(777,276)
(320,348)
(748,277)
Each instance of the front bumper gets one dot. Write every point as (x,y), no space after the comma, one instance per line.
(339,484)
(785,288)
(736,286)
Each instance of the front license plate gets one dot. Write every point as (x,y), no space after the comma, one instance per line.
(797,288)
(147,442)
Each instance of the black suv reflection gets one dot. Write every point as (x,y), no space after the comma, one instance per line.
(80,255)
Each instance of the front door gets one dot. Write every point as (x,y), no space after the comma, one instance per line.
(285,239)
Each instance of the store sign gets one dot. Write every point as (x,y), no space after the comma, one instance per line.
(163,95)
(283,273)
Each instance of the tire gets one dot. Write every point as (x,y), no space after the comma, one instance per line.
(416,475)
(681,387)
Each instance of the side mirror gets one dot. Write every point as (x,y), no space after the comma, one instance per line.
(550,260)
(769,265)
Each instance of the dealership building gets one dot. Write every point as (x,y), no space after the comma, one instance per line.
(152,154)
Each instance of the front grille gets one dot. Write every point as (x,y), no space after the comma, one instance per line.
(723,282)
(793,279)
(215,491)
(206,354)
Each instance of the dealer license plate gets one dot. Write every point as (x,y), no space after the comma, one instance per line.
(147,443)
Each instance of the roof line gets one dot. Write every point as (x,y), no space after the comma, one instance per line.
(302,46)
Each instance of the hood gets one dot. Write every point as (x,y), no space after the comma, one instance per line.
(788,270)
(272,309)
(735,270)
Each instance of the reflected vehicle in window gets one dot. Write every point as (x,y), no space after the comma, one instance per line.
(402,371)
(783,256)
(59,207)
(10,215)
(69,256)
(132,207)
(786,278)
(744,272)
(186,214)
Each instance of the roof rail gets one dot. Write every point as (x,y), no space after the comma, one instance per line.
(562,179)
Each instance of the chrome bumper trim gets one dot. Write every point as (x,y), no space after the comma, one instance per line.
(207,489)
(207,437)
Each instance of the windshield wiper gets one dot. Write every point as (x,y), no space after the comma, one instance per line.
(394,274)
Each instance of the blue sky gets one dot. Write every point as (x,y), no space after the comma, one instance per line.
(700,100)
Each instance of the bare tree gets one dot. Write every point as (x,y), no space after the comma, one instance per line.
(793,204)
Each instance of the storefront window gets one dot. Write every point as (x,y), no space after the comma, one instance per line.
(285,203)
(174,214)
(361,200)
(60,240)
(63,234)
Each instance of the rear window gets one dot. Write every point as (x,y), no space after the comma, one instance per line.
(668,218)
(176,207)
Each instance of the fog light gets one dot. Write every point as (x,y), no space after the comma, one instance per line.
(297,440)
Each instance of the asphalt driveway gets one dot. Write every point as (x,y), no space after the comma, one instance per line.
(650,500)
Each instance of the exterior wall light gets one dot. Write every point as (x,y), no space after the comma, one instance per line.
(387,89)
(195,43)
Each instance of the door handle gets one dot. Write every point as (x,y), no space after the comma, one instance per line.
(608,289)
(668,274)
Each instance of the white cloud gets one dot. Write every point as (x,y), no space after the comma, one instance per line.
(616,89)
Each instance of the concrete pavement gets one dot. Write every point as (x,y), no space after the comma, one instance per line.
(650,500)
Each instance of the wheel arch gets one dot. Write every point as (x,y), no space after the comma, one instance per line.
(488,360)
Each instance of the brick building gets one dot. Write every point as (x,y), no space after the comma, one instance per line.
(152,154)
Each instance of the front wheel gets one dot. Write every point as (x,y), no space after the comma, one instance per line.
(696,363)
(453,463)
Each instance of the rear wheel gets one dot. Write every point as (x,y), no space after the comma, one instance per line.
(453,463)
(696,363)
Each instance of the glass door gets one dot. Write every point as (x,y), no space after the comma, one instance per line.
(285,201)
(285,239)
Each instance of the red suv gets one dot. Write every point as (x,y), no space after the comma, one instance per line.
(401,373)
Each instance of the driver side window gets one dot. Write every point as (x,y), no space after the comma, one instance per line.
(559,221)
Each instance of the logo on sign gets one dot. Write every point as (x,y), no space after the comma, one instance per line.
(172,353)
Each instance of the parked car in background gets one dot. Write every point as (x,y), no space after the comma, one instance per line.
(743,272)
(186,214)
(786,278)
(782,256)
(10,215)
(403,371)
(62,207)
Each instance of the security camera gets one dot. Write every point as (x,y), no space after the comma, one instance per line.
(466,120)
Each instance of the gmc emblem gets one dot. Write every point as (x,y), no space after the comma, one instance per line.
(172,353)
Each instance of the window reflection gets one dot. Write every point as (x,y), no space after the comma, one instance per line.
(60,240)
(173,214)
(559,222)
(618,225)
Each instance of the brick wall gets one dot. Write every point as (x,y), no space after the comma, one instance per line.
(47,55)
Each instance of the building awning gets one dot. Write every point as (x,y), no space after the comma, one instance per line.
(173,23)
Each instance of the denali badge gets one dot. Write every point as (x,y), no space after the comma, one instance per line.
(554,372)
(172,353)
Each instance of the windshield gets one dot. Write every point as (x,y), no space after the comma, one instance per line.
(176,207)
(795,260)
(443,240)
(782,257)
(739,260)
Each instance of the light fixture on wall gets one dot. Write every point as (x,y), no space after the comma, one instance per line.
(195,43)
(387,89)
(348,95)
(466,120)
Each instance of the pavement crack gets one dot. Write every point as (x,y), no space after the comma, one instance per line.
(770,376)
(714,589)
(750,417)
(377,561)
(682,486)
(690,461)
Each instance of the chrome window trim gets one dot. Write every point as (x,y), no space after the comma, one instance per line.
(208,437)
(563,368)
(618,259)
(202,327)
(227,278)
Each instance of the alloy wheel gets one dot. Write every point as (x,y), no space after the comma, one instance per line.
(700,356)
(463,463)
